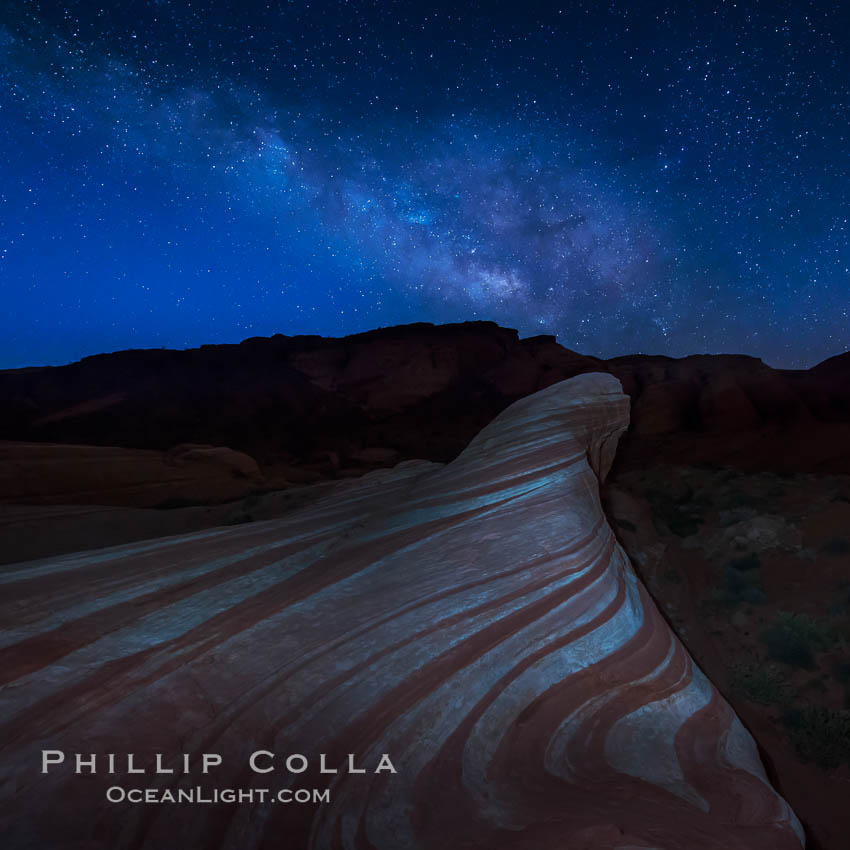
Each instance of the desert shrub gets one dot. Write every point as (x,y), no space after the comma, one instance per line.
(748,562)
(681,516)
(841,671)
(737,498)
(816,685)
(837,546)
(840,605)
(252,499)
(743,586)
(241,519)
(794,638)
(820,734)
(759,683)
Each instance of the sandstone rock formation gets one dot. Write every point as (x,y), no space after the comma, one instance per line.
(307,407)
(55,474)
(477,622)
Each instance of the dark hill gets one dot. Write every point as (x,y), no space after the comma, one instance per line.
(338,406)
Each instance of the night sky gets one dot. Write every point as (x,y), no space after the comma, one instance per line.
(632,177)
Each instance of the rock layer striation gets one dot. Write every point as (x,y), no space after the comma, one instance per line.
(477,622)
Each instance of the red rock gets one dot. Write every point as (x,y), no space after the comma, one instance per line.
(725,407)
(376,455)
(478,622)
(661,408)
(237,464)
(51,474)
(423,390)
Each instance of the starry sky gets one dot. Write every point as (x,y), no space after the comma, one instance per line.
(665,178)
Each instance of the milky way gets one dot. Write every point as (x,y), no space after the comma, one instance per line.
(670,182)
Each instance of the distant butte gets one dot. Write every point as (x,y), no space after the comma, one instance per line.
(309,408)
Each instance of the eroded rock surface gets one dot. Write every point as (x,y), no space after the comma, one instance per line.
(55,474)
(477,622)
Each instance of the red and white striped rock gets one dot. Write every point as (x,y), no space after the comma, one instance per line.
(477,622)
